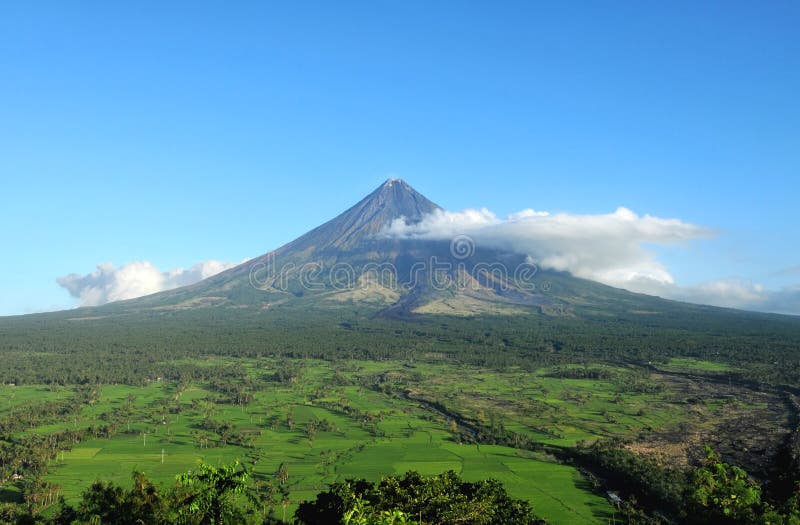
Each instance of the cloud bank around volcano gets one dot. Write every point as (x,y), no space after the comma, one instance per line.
(613,248)
(609,248)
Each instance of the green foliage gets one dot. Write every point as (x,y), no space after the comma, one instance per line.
(205,496)
(109,504)
(714,492)
(444,499)
(653,484)
(208,496)
(726,492)
(362,513)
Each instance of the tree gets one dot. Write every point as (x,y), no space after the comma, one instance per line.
(39,494)
(724,492)
(311,431)
(112,505)
(262,495)
(104,500)
(130,399)
(283,473)
(205,496)
(144,499)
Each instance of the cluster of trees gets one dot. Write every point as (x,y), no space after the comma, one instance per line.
(444,499)
(29,415)
(226,433)
(653,485)
(229,495)
(207,495)
(25,458)
(583,372)
(29,455)
(713,492)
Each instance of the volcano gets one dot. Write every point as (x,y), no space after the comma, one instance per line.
(346,288)
(350,261)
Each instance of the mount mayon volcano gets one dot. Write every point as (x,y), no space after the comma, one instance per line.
(350,260)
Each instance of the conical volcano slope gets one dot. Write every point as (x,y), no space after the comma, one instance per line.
(350,262)
(394,199)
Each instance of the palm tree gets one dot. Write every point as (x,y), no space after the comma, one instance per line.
(283,473)
(262,495)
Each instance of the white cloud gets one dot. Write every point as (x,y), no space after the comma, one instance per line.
(734,293)
(109,283)
(608,248)
(731,292)
(738,293)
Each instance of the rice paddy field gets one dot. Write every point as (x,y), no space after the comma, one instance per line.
(327,421)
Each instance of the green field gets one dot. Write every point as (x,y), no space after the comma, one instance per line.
(375,426)
(328,421)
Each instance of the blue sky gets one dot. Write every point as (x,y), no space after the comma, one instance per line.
(209,130)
